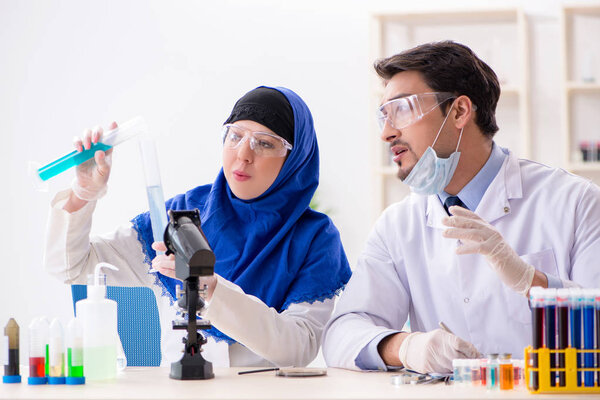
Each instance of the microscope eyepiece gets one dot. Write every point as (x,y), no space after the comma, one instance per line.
(184,238)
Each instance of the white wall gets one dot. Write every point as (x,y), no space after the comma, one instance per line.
(67,65)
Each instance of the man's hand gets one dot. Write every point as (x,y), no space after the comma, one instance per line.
(478,236)
(425,351)
(434,351)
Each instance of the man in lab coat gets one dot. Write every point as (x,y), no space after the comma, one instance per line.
(479,230)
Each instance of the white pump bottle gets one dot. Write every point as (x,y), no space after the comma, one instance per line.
(99,322)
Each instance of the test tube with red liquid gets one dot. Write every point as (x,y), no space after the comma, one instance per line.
(37,354)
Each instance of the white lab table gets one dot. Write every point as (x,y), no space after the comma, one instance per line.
(154,383)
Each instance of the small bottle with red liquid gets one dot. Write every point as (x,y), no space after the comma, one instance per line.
(37,354)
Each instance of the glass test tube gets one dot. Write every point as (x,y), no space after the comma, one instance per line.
(597,307)
(110,139)
(56,350)
(466,372)
(575,317)
(156,200)
(75,353)
(562,315)
(483,370)
(11,348)
(519,367)
(457,371)
(492,372)
(550,329)
(506,375)
(37,354)
(588,335)
(536,299)
(475,372)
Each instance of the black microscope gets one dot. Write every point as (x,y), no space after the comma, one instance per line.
(193,259)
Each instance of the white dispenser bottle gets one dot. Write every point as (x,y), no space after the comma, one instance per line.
(98,316)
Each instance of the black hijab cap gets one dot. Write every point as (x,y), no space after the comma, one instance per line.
(268,107)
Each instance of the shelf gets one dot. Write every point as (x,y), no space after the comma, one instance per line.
(510,89)
(451,17)
(579,29)
(584,87)
(593,10)
(584,166)
(390,170)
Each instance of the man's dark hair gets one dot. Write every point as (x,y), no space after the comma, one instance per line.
(450,67)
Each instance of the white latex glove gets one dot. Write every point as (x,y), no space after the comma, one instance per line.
(166,266)
(434,351)
(478,236)
(91,178)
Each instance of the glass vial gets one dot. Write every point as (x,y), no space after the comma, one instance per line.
(11,352)
(75,353)
(492,372)
(56,351)
(506,372)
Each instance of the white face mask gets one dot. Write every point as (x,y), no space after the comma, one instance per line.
(432,174)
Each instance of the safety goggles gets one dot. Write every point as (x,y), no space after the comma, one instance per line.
(405,111)
(264,144)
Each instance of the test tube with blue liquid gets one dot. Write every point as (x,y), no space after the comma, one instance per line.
(597,307)
(588,335)
(575,313)
(562,317)
(550,325)
(156,200)
(110,139)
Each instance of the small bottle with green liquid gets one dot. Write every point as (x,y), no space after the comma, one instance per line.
(75,353)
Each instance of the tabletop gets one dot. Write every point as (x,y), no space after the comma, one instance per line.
(154,383)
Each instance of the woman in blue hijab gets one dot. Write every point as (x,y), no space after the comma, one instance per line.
(279,264)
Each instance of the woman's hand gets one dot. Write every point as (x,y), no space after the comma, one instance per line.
(166,266)
(163,263)
(92,175)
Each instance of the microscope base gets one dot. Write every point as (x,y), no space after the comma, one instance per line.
(191,368)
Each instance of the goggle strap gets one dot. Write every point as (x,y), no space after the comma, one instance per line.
(443,123)
(459,138)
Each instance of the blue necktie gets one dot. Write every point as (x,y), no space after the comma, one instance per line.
(453,201)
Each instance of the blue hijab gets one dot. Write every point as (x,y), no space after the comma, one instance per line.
(274,246)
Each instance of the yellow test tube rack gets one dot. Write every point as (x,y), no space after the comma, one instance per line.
(570,371)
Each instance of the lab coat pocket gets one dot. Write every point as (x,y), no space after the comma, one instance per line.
(543,261)
(518,305)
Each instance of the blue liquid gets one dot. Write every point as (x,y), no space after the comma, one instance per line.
(588,343)
(158,214)
(576,337)
(70,160)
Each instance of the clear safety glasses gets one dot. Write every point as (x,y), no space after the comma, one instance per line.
(405,111)
(264,144)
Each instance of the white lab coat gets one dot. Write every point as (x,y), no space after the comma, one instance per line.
(548,216)
(264,336)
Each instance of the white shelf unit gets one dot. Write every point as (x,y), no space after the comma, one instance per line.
(499,37)
(580,30)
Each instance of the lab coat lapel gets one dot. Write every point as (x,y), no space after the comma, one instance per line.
(435,212)
(506,185)
(495,202)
